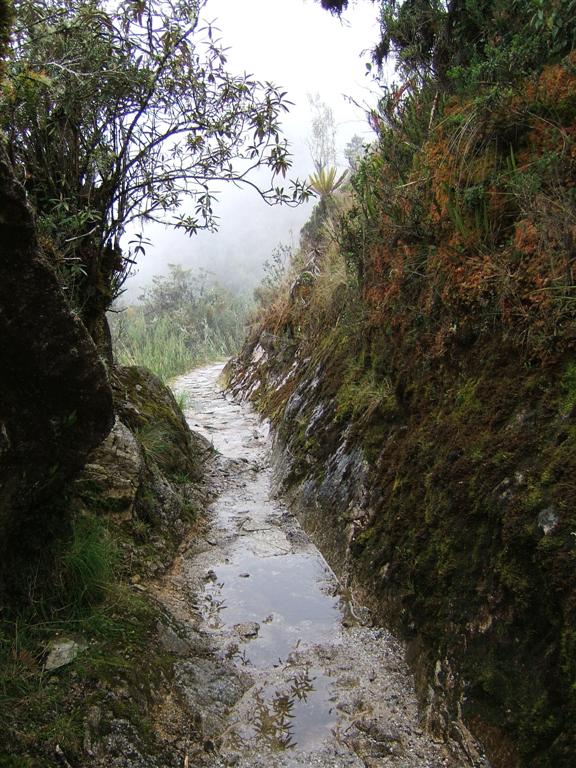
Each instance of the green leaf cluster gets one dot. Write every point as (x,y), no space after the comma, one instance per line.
(5,23)
(325,181)
(466,43)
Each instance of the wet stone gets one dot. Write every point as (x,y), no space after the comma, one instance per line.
(171,642)
(248,630)
(210,688)
(287,684)
(63,652)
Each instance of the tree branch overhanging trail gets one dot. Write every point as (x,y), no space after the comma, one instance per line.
(114,113)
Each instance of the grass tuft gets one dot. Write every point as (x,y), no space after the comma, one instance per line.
(87,565)
(161,347)
(569,388)
(155,441)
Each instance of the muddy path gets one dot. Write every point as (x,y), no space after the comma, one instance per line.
(283,671)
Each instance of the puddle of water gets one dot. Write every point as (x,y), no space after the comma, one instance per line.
(298,715)
(273,607)
(290,597)
(270,601)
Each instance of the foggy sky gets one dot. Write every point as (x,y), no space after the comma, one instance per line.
(301,47)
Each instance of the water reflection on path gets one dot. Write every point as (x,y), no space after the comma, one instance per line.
(319,685)
(276,595)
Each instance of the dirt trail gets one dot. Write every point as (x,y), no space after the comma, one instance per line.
(284,672)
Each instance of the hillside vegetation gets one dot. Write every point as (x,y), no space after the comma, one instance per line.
(418,361)
(181,320)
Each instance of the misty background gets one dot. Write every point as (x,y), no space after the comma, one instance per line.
(301,47)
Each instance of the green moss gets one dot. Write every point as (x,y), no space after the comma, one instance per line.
(461,481)
(12,761)
(363,396)
(364,537)
(533,497)
(466,399)
(568,385)
(155,418)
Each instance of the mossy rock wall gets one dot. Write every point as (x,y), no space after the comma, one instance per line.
(447,500)
(423,391)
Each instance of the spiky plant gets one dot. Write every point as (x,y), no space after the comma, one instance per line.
(325,181)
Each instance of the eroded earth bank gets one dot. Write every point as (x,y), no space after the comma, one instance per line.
(279,667)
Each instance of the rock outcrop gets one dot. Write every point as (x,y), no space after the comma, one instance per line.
(55,397)
(147,474)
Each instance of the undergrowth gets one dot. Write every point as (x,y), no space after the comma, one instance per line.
(181,321)
(81,597)
(86,564)
(362,394)
(154,439)
(160,347)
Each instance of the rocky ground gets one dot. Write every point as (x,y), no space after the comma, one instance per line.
(276,665)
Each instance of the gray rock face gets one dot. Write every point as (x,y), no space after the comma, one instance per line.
(172,642)
(116,467)
(548,519)
(210,688)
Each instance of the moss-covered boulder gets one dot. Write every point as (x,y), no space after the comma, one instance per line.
(146,476)
(148,408)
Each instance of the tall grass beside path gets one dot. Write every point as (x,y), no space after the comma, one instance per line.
(182,320)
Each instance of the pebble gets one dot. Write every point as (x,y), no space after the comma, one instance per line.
(248,629)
